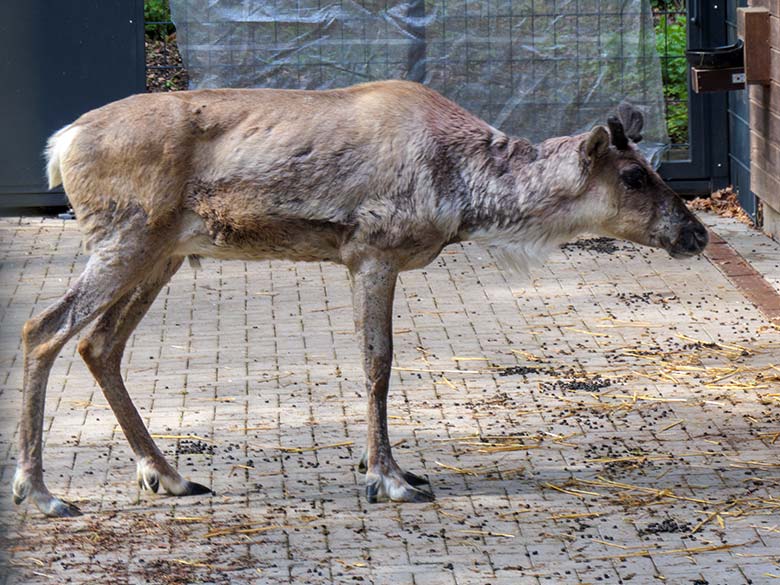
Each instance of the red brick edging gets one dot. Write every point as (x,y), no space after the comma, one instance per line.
(746,278)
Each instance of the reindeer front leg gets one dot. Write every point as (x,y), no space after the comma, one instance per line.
(372,294)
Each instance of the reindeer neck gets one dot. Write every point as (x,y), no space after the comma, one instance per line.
(523,199)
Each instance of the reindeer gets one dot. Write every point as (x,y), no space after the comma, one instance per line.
(378,177)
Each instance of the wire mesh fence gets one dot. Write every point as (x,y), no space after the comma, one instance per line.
(164,68)
(581,37)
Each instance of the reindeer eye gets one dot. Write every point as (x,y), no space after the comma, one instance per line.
(634,178)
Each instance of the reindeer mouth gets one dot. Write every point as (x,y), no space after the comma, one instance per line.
(681,255)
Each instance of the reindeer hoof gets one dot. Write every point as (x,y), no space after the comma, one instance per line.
(42,499)
(399,486)
(410,477)
(416,480)
(57,508)
(151,478)
(195,489)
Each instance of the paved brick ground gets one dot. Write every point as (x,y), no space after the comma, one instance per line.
(611,421)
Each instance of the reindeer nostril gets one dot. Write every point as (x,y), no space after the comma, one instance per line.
(693,237)
(701,234)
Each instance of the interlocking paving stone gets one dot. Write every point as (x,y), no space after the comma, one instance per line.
(613,419)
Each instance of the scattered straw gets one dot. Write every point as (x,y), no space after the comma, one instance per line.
(738,348)
(481,470)
(192,563)
(338,308)
(714,515)
(315,448)
(23,562)
(659,493)
(584,331)
(445,381)
(572,492)
(87,404)
(671,426)
(611,544)
(485,533)
(234,468)
(526,355)
(684,551)
(190,437)
(437,371)
(771,436)
(190,518)
(239,530)
(575,515)
(629,458)
(349,565)
(618,324)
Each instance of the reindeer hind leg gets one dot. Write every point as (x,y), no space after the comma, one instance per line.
(102,350)
(111,271)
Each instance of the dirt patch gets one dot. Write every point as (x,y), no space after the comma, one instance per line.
(668,526)
(646,298)
(524,370)
(586,384)
(194,447)
(599,245)
(164,68)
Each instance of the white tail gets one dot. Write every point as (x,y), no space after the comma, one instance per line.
(56,147)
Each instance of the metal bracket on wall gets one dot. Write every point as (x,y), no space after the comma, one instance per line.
(706,80)
(718,68)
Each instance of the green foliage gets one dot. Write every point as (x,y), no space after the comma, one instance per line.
(671,42)
(158,11)
(668,5)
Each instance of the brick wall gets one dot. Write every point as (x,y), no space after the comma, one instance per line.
(765,128)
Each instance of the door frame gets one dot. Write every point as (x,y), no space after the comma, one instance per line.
(707,169)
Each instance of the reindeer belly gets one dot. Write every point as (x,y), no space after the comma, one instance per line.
(259,237)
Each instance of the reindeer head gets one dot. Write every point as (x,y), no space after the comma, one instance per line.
(627,198)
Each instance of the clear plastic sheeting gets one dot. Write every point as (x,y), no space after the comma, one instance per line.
(533,68)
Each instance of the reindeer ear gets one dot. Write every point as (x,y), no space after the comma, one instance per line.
(632,120)
(595,145)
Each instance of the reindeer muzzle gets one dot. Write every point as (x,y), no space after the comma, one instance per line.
(691,240)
